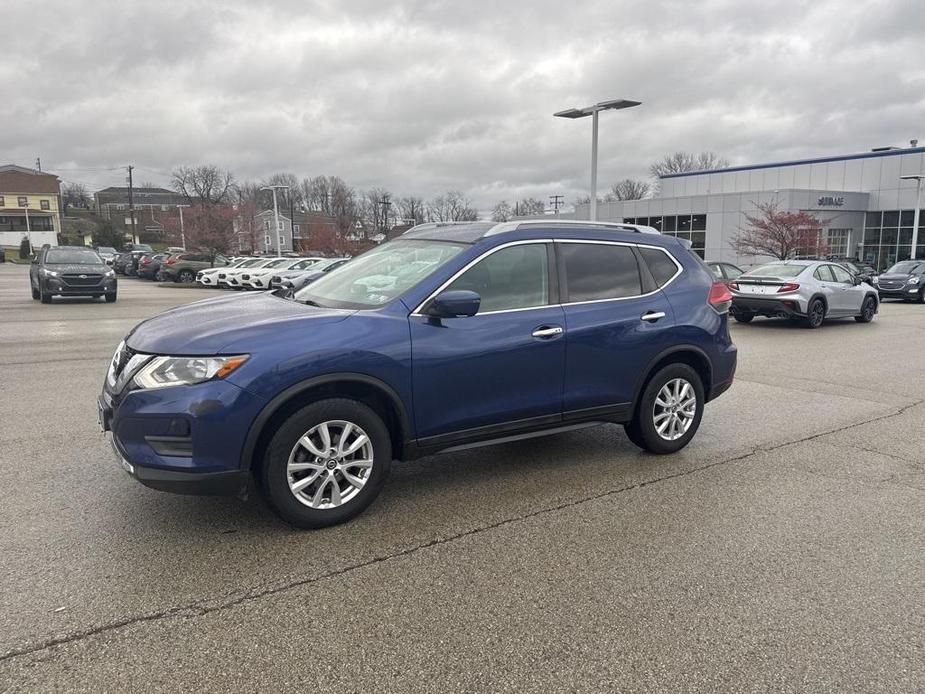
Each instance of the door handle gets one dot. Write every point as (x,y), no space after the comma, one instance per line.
(545,331)
(652,316)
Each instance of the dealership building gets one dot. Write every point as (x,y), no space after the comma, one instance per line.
(867,207)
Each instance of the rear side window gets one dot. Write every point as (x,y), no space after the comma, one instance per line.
(662,267)
(823,274)
(599,271)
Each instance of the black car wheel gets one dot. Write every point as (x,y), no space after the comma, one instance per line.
(44,296)
(185,277)
(111,298)
(669,411)
(815,314)
(868,309)
(35,292)
(921,296)
(326,463)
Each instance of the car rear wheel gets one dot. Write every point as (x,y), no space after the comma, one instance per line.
(326,463)
(185,276)
(744,317)
(868,309)
(815,314)
(669,411)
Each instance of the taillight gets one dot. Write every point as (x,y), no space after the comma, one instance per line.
(788,287)
(720,297)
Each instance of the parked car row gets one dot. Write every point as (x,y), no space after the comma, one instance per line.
(286,274)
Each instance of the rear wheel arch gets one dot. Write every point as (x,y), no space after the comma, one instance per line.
(377,394)
(693,356)
(821,298)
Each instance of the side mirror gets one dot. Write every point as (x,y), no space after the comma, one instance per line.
(453,304)
(858,279)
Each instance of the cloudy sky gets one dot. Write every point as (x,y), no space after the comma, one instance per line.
(422,97)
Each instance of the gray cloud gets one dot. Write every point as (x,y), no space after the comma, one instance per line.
(426,96)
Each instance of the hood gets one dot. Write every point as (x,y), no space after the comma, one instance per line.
(235,323)
(895,276)
(77,269)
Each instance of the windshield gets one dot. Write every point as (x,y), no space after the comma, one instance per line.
(301,265)
(142,247)
(105,249)
(379,275)
(252,262)
(775,270)
(908,267)
(71,257)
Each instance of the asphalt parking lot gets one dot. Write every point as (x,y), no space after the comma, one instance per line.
(781,551)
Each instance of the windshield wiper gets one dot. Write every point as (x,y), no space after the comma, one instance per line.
(309,302)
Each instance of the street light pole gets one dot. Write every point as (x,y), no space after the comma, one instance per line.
(182,230)
(276,214)
(918,210)
(593,111)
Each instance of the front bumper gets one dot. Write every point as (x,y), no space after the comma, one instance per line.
(905,292)
(770,307)
(182,439)
(58,287)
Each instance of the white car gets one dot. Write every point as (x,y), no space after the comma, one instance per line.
(209,276)
(232,278)
(259,278)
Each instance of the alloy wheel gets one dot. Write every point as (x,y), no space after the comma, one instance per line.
(330,464)
(675,408)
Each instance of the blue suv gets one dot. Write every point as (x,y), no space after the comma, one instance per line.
(448,337)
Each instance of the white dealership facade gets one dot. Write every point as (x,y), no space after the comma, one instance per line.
(868,208)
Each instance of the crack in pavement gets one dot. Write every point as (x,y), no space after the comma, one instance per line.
(198,609)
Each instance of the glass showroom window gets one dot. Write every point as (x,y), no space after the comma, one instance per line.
(888,238)
(837,241)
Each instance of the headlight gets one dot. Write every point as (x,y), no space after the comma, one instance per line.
(110,273)
(50,273)
(913,280)
(161,372)
(875,280)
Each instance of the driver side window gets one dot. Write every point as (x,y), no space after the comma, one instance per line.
(841,275)
(514,277)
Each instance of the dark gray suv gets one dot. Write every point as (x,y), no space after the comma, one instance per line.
(905,280)
(71,271)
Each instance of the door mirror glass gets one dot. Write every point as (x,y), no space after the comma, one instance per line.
(455,303)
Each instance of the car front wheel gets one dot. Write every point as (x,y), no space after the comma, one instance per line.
(326,463)
(669,411)
(868,309)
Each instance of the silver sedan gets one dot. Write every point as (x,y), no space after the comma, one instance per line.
(806,290)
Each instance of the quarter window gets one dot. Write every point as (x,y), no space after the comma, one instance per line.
(596,271)
(662,267)
(514,277)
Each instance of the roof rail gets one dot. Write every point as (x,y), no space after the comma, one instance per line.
(437,225)
(520,224)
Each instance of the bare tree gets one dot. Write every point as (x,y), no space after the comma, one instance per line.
(452,206)
(206,185)
(682,162)
(502,212)
(778,234)
(75,195)
(412,208)
(376,210)
(529,207)
(627,189)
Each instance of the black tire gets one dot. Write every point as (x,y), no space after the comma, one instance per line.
(642,430)
(185,277)
(815,314)
(920,299)
(35,292)
(273,474)
(868,309)
(111,298)
(743,317)
(44,296)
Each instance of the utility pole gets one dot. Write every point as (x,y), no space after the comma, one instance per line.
(182,230)
(131,203)
(38,164)
(556,202)
(386,203)
(276,215)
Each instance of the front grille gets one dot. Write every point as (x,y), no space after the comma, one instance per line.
(81,280)
(221,275)
(891,285)
(245,277)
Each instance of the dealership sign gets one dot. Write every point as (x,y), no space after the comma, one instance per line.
(831,201)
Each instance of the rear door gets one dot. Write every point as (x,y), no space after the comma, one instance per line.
(830,289)
(614,328)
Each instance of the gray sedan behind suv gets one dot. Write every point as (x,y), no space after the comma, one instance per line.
(806,290)
(905,280)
